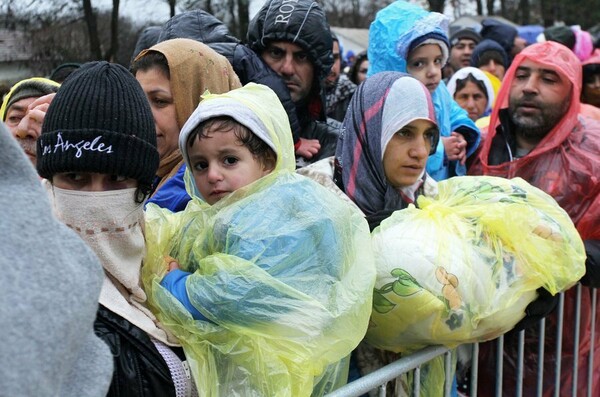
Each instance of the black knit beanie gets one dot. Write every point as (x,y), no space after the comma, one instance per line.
(99,121)
(561,34)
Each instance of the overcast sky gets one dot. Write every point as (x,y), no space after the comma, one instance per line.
(138,10)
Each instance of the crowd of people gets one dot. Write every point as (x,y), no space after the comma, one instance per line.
(205,215)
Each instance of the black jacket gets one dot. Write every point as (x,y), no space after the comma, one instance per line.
(203,27)
(139,370)
(303,23)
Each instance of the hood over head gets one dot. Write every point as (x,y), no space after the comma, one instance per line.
(147,39)
(197,25)
(399,28)
(501,33)
(561,34)
(479,75)
(551,55)
(301,22)
(256,107)
(381,106)
(194,68)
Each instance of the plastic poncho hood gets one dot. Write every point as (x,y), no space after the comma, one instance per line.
(247,106)
(391,36)
(565,161)
(282,268)
(394,30)
(554,56)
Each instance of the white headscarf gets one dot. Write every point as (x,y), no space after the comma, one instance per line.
(462,74)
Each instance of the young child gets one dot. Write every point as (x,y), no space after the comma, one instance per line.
(277,271)
(406,38)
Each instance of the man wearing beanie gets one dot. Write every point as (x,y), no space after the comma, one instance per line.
(490,57)
(561,34)
(23,119)
(503,34)
(462,44)
(294,39)
(98,150)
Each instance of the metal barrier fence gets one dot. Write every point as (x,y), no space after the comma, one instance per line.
(376,381)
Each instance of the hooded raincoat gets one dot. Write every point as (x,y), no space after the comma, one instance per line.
(390,37)
(194,68)
(303,23)
(281,269)
(565,164)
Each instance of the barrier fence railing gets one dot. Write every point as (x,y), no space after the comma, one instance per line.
(377,381)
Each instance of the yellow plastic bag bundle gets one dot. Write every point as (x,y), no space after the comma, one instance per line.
(283,269)
(464,266)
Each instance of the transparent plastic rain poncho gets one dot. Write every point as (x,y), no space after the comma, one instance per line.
(282,268)
(464,266)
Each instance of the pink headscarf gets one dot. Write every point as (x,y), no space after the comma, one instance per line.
(584,43)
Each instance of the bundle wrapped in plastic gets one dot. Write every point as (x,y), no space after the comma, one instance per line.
(283,271)
(465,265)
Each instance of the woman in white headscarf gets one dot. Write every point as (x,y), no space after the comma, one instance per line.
(473,91)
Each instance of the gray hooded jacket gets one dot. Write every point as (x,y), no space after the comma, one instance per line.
(49,293)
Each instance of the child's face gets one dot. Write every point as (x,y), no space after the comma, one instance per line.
(406,154)
(425,64)
(221,164)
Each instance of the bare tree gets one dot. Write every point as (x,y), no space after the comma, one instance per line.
(525,12)
(92,27)
(172,4)
(89,15)
(436,5)
(479,7)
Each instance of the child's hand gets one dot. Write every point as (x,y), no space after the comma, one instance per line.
(455,147)
(172,263)
(308,148)
(173,266)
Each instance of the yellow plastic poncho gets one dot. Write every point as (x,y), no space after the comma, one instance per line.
(282,268)
(464,266)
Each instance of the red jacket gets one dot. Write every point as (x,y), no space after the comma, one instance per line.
(566,165)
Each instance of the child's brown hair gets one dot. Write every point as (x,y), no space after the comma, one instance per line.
(259,149)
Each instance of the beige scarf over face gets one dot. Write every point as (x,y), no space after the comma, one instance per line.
(111,223)
(194,68)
